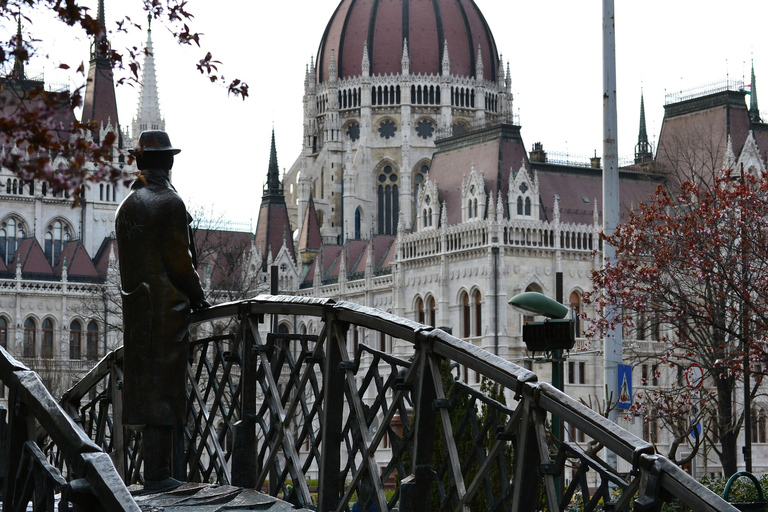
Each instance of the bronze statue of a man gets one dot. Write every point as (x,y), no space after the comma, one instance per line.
(160,288)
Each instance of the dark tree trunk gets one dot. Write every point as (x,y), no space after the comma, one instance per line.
(726,426)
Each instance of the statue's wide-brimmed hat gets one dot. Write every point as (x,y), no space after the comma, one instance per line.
(155,141)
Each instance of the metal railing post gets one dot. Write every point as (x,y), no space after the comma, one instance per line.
(331,484)
(417,488)
(244,470)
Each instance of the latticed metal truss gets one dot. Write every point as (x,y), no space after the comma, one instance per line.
(265,412)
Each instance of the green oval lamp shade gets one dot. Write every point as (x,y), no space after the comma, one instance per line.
(539,304)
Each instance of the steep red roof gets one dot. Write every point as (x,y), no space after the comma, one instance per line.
(495,153)
(99,102)
(223,255)
(79,264)
(356,251)
(101,261)
(383,251)
(701,125)
(32,259)
(309,237)
(331,260)
(426,24)
(273,229)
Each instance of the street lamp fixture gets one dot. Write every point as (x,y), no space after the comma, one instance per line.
(558,332)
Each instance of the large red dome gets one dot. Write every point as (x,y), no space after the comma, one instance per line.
(426,24)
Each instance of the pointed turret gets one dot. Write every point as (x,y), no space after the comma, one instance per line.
(446,60)
(273,172)
(148,115)
(310,238)
(643,154)
(366,60)
(754,113)
(500,74)
(99,102)
(508,80)
(479,70)
(405,62)
(273,221)
(333,73)
(18,64)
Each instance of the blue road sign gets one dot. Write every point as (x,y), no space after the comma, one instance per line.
(625,386)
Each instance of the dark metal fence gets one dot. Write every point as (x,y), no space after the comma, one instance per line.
(268,411)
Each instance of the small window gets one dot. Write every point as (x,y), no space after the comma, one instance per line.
(30,331)
(46,346)
(75,339)
(92,340)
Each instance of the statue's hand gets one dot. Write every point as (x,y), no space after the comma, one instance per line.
(203,304)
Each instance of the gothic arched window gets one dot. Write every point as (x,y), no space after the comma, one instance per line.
(56,235)
(92,340)
(575,303)
(46,345)
(431,311)
(11,234)
(30,333)
(528,206)
(3,332)
(477,300)
(519,205)
(388,200)
(465,316)
(358,215)
(420,310)
(75,339)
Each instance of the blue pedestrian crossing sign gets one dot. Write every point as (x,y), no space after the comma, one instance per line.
(625,386)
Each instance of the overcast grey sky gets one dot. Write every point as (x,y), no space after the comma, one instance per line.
(553,47)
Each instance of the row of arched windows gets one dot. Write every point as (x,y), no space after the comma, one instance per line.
(471,314)
(350,98)
(425,315)
(425,95)
(386,95)
(111,193)
(13,230)
(461,97)
(45,335)
(16,187)
(492,102)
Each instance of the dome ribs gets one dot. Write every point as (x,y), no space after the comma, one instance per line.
(440,32)
(383,25)
(372,32)
(470,39)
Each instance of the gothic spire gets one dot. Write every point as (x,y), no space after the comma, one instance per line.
(273,172)
(101,45)
(18,65)
(273,227)
(148,115)
(446,60)
(99,101)
(643,148)
(754,113)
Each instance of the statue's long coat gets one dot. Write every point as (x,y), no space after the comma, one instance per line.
(159,281)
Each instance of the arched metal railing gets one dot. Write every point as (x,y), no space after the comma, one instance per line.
(269,411)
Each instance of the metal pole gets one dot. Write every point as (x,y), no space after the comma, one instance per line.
(612,350)
(558,374)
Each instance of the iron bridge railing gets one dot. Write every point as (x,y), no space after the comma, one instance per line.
(398,431)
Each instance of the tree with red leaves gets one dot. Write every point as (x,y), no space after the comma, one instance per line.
(40,139)
(693,266)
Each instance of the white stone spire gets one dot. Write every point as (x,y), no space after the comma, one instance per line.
(366,61)
(479,69)
(405,62)
(148,115)
(446,60)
